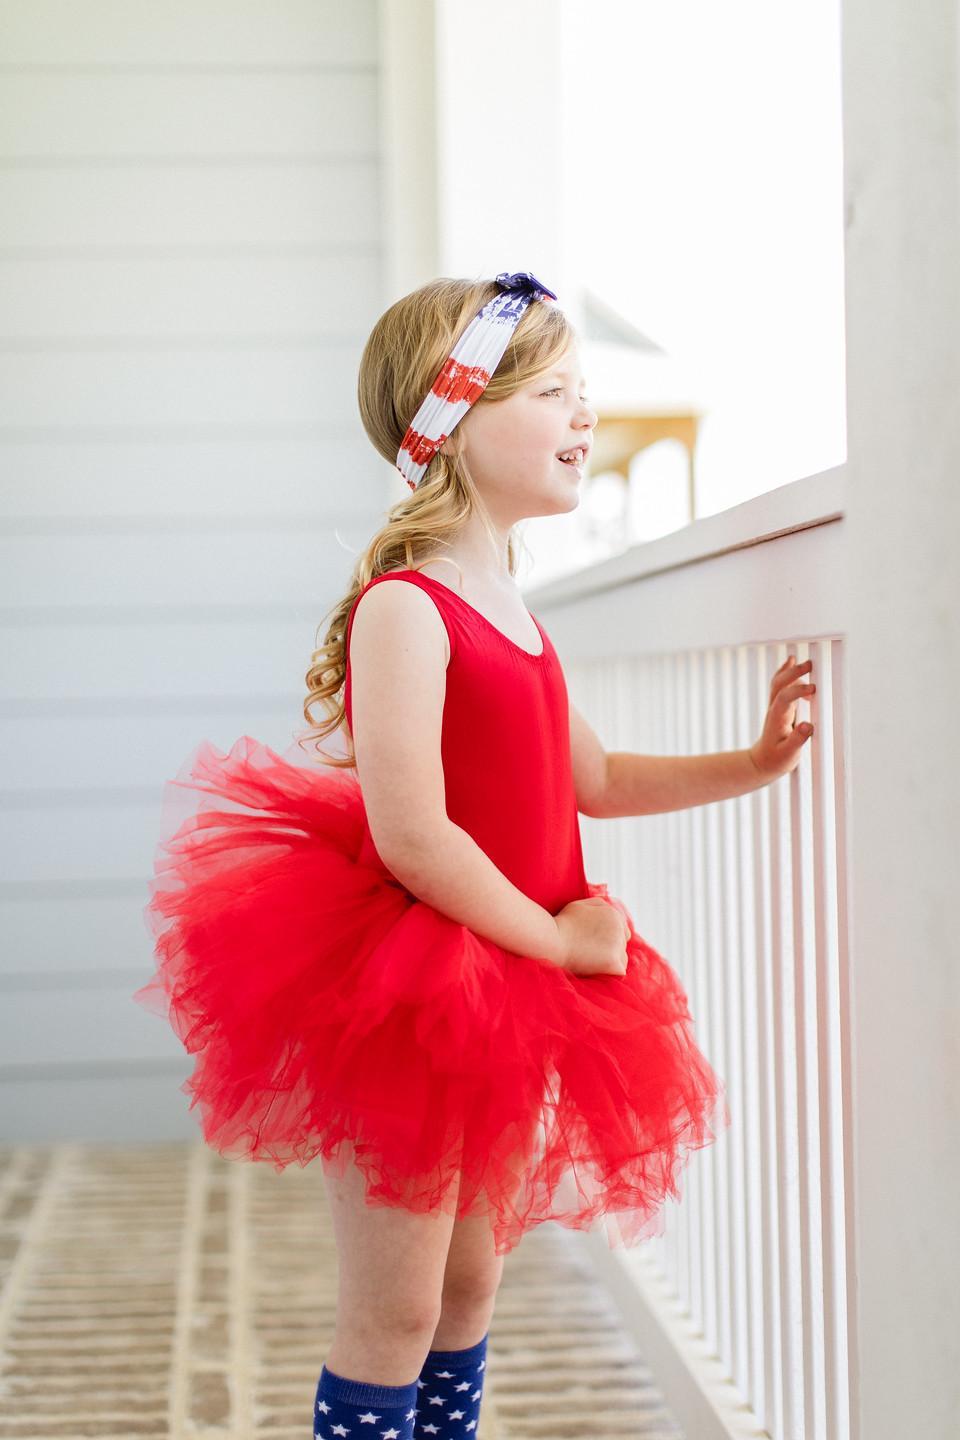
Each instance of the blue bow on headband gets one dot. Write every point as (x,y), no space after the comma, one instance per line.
(523,282)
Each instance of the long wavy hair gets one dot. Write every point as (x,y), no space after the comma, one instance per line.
(400,361)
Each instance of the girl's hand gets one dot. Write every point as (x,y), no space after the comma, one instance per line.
(594,936)
(777,752)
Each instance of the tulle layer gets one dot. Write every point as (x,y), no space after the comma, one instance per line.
(333,1013)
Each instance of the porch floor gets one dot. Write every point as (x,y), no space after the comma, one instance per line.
(162,1290)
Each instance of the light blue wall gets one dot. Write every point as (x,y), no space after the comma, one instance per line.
(191,263)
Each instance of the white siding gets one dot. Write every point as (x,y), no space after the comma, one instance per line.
(190,262)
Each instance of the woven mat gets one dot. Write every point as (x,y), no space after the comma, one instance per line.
(159,1290)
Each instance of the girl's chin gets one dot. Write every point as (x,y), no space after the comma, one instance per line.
(551,498)
(564,502)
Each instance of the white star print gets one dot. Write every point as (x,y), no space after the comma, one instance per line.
(410,1414)
(389,1434)
(431,1429)
(456,1414)
(476,1395)
(322,1405)
(443,1374)
(368,1419)
(421,1384)
(435,1399)
(464,1385)
(470,1425)
(340,1430)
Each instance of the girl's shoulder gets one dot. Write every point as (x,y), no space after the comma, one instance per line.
(462,616)
(428,590)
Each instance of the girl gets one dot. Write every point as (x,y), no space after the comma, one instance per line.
(396,962)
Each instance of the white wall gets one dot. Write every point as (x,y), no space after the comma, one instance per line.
(191,261)
(500,84)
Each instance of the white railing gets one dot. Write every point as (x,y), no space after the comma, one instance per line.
(742,1305)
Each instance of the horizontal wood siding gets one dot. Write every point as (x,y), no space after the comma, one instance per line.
(189,266)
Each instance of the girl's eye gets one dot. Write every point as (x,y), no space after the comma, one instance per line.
(557,389)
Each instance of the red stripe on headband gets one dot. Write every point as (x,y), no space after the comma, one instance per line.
(460,382)
(420,448)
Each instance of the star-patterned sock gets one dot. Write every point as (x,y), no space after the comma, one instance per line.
(451,1388)
(348,1407)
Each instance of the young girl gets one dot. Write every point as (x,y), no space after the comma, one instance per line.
(395,962)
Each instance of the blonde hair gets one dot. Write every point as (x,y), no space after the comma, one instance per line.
(400,361)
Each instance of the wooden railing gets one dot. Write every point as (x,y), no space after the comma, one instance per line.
(743,1303)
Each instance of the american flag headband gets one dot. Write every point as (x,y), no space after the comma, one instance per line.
(466,372)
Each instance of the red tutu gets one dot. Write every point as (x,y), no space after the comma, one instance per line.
(326,1003)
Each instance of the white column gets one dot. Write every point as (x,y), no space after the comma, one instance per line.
(408,144)
(900,62)
(502,141)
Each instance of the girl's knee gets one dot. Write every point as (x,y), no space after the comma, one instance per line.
(410,1318)
(471,1279)
(464,1292)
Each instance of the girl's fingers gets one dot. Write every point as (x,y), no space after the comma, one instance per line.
(790,662)
(785,672)
(795,691)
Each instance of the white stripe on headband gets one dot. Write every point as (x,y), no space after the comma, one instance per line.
(466,372)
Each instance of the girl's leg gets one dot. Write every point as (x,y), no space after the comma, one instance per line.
(452,1379)
(390,1265)
(473,1270)
(470,1283)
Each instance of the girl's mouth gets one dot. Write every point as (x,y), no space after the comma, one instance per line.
(572,464)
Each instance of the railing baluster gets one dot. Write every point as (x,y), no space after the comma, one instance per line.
(732,968)
(788,1178)
(842,1213)
(744,901)
(694,944)
(804,962)
(828,1050)
(696,1223)
(675,899)
(769,1404)
(717,1009)
(665,742)
(704,952)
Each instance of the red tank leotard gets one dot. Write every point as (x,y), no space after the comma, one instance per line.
(505,749)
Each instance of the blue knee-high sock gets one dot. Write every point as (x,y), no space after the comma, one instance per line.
(451,1388)
(345,1407)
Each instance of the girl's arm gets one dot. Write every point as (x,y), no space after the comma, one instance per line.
(632,784)
(445,867)
(652,784)
(398,657)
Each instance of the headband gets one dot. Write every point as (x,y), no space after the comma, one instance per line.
(466,372)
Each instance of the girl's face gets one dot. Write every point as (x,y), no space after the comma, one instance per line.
(512,445)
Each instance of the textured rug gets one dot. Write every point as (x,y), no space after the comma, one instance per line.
(160,1290)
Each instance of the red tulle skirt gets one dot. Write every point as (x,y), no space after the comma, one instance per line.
(326,1004)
